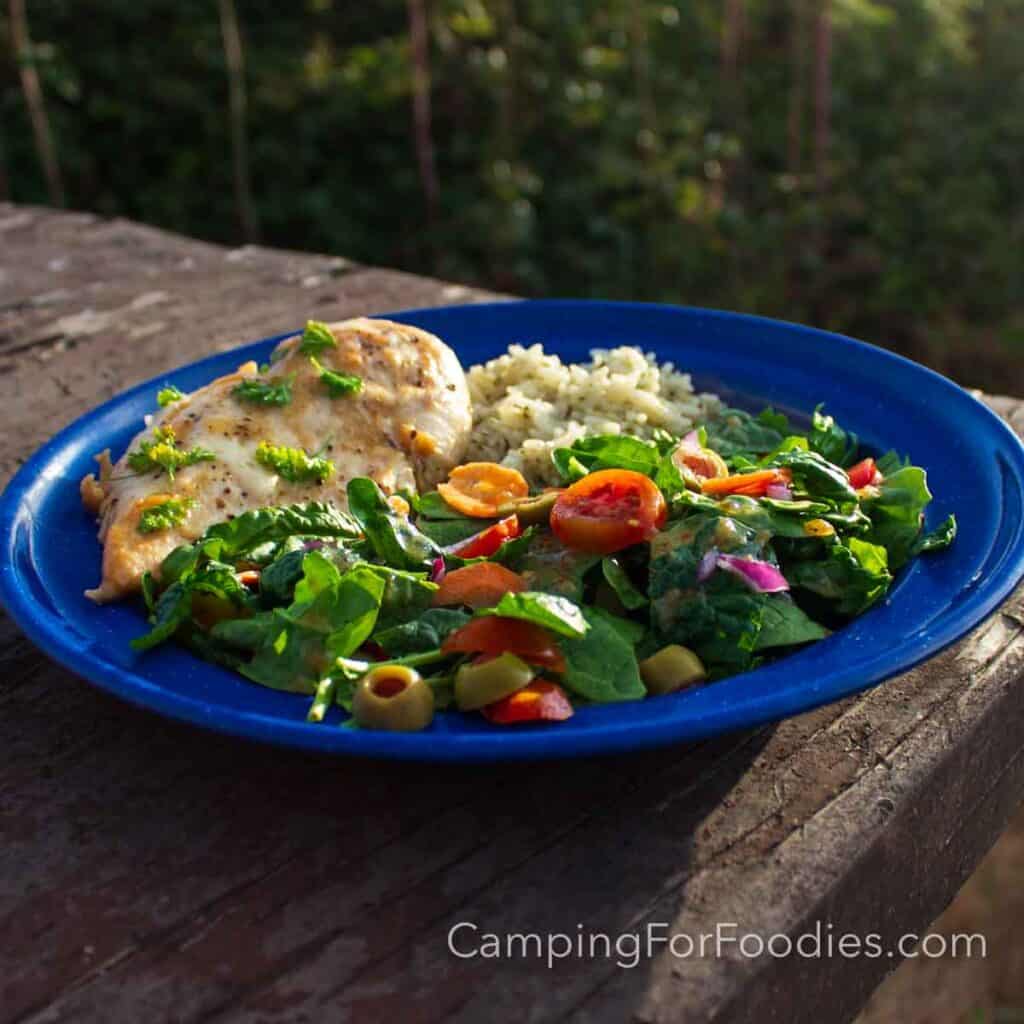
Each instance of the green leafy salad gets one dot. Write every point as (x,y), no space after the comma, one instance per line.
(657,565)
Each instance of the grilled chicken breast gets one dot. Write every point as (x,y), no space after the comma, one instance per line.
(405,428)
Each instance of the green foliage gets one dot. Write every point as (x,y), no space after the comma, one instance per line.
(293,464)
(583,147)
(265,392)
(166,514)
(338,384)
(162,454)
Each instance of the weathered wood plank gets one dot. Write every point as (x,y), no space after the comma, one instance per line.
(151,871)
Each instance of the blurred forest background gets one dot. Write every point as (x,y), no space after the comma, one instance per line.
(856,164)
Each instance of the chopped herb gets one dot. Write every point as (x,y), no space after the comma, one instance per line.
(338,384)
(265,392)
(166,396)
(293,464)
(165,515)
(162,452)
(315,338)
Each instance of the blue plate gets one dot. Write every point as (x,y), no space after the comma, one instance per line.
(975,466)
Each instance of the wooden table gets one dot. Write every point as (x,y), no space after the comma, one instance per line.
(152,872)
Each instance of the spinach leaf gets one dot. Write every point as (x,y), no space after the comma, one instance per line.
(558,614)
(785,624)
(278,579)
(513,552)
(891,462)
(898,511)
(735,432)
(291,657)
(174,606)
(343,608)
(618,579)
(406,595)
(853,573)
(830,441)
(394,540)
(228,540)
(570,469)
(817,478)
(780,518)
(452,530)
(941,537)
(721,621)
(433,506)
(669,477)
(610,451)
(424,633)
(556,569)
(601,664)
(244,634)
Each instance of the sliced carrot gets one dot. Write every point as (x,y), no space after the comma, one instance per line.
(479,585)
(752,484)
(479,489)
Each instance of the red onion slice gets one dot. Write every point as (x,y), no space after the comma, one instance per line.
(707,565)
(780,492)
(761,577)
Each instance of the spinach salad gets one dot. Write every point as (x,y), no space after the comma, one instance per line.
(657,565)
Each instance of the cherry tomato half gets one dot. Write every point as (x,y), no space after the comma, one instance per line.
(486,542)
(608,510)
(496,634)
(864,473)
(540,701)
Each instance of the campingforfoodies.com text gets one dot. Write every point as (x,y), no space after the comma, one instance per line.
(470,941)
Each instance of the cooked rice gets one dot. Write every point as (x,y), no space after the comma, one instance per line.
(527,403)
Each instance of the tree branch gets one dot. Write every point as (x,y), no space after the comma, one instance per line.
(34,101)
(234,55)
(419,36)
(822,95)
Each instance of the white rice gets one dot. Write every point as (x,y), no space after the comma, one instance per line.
(527,403)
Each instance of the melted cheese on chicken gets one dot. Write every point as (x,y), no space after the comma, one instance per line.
(406,428)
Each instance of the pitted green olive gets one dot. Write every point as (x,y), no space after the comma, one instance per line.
(532,511)
(479,685)
(672,668)
(393,698)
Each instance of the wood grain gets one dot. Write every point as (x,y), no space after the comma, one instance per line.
(149,871)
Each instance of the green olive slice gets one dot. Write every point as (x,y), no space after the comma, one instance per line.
(479,685)
(532,511)
(393,698)
(672,668)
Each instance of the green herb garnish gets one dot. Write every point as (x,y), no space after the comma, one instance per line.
(265,392)
(165,515)
(162,452)
(338,384)
(315,338)
(293,464)
(166,396)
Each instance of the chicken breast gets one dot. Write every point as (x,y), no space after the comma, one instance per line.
(406,427)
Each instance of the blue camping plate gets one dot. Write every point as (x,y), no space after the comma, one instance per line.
(975,468)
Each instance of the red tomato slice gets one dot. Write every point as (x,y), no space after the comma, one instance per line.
(864,473)
(496,634)
(540,701)
(486,542)
(608,510)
